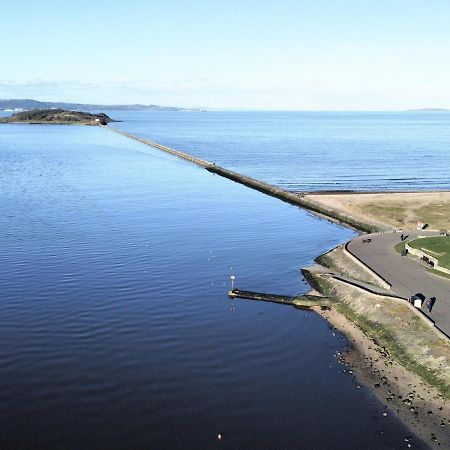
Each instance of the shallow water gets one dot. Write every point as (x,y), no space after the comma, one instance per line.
(116,328)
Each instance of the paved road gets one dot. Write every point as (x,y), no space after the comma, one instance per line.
(406,275)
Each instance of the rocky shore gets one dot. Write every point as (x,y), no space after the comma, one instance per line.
(393,351)
(420,406)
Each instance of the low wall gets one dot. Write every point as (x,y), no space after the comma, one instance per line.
(420,254)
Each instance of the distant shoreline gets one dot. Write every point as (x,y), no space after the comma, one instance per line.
(13,105)
(429,110)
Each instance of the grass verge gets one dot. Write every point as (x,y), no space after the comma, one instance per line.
(326,261)
(400,247)
(385,339)
(381,334)
(436,246)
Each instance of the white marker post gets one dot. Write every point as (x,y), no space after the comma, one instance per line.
(232,282)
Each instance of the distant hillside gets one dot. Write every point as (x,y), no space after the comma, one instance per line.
(35,104)
(429,110)
(57,116)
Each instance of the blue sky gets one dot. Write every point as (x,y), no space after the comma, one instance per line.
(301,55)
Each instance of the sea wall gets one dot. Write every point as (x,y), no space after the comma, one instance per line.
(186,156)
(291,197)
(266,188)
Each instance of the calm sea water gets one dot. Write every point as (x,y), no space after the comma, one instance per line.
(312,151)
(116,328)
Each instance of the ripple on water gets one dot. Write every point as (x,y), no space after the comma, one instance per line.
(116,327)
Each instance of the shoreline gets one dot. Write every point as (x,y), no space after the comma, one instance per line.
(377,356)
(417,403)
(420,407)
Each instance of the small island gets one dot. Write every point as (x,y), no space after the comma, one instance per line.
(57,117)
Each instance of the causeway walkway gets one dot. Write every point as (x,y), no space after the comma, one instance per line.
(406,275)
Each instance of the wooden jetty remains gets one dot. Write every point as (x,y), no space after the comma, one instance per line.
(301,301)
(284,299)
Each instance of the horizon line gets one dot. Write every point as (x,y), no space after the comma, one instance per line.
(240,108)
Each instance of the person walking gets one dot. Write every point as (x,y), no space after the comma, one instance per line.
(431,303)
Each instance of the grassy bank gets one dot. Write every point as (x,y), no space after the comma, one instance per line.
(385,339)
(437,247)
(390,323)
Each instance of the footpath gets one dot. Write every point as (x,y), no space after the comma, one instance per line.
(406,275)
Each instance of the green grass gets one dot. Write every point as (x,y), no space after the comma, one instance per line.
(380,335)
(383,338)
(326,261)
(437,247)
(400,247)
(317,283)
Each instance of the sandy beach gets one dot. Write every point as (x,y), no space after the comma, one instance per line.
(391,210)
